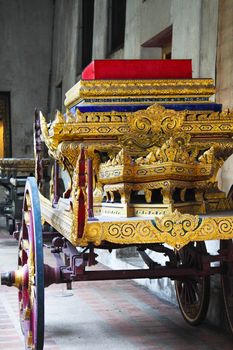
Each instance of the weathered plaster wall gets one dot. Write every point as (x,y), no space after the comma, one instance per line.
(25,49)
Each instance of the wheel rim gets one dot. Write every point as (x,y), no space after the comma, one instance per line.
(30,259)
(227,282)
(193,292)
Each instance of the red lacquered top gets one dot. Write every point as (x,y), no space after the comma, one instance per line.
(138,69)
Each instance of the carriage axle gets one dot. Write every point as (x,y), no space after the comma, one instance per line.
(73,267)
(16,278)
(77,272)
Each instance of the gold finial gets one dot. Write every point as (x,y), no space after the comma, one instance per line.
(59,118)
(44,128)
(69,116)
(78,116)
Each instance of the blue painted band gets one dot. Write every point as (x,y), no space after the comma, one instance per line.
(215,107)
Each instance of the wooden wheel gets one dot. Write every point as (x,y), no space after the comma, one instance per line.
(227,280)
(30,265)
(193,293)
(38,150)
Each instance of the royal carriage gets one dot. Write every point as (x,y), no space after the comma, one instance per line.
(13,176)
(142,144)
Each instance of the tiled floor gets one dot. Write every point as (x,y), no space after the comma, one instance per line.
(103,315)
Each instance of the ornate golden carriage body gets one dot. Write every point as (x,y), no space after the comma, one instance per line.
(149,159)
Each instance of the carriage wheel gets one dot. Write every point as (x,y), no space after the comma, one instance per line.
(30,259)
(193,293)
(10,224)
(227,281)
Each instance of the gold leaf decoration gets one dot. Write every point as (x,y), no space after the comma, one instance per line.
(155,119)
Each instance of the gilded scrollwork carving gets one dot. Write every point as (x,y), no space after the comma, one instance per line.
(156,119)
(173,160)
(173,228)
(177,223)
(45,132)
(138,131)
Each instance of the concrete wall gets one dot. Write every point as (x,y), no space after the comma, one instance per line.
(66,41)
(1,140)
(225,54)
(140,26)
(100,30)
(194,31)
(195,34)
(132,47)
(225,76)
(25,49)
(208,39)
(143,21)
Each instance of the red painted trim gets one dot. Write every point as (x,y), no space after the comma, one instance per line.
(138,69)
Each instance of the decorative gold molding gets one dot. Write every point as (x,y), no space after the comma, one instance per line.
(146,87)
(174,160)
(174,229)
(137,127)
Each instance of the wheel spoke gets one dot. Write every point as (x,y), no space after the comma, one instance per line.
(227,281)
(193,292)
